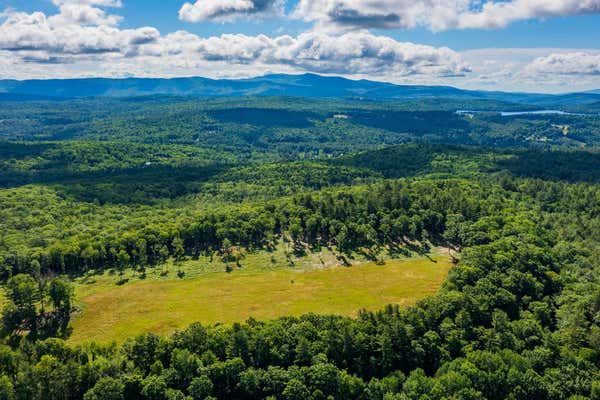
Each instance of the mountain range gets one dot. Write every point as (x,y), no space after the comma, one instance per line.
(306,85)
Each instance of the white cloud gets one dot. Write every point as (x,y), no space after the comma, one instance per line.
(364,53)
(22,32)
(501,14)
(576,63)
(101,3)
(83,39)
(378,13)
(527,70)
(64,38)
(437,15)
(349,53)
(83,14)
(228,10)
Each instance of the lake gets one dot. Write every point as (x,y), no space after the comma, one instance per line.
(513,113)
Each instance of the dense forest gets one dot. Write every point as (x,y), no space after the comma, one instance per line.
(98,185)
(279,127)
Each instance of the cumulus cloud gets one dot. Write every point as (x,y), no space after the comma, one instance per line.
(378,13)
(84,38)
(80,27)
(530,69)
(83,15)
(37,33)
(228,10)
(364,53)
(85,12)
(351,53)
(68,37)
(576,63)
(437,15)
(501,14)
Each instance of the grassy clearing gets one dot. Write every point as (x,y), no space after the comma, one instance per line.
(261,289)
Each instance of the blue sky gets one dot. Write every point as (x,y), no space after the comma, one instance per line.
(525,45)
(567,32)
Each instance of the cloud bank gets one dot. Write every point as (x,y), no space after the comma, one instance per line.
(349,53)
(436,15)
(53,37)
(81,31)
(84,38)
(578,63)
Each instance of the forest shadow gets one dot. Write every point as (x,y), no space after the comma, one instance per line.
(139,186)
(144,185)
(571,166)
(266,117)
(416,122)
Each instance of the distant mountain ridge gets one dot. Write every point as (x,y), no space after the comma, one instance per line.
(307,85)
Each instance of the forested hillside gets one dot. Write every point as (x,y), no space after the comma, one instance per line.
(287,127)
(304,85)
(108,190)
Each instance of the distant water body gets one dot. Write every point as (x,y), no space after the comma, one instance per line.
(510,113)
(513,113)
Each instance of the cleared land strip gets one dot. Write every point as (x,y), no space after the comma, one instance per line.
(164,306)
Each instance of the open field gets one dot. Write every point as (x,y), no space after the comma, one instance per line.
(116,312)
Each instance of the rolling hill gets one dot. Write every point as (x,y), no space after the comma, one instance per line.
(307,85)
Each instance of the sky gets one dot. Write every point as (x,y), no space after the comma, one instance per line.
(547,46)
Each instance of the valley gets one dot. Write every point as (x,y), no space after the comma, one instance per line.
(185,248)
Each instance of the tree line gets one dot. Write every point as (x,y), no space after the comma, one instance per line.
(386,214)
